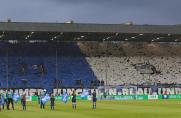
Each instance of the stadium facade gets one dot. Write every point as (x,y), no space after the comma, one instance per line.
(62,55)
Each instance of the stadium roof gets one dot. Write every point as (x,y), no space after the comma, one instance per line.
(89,32)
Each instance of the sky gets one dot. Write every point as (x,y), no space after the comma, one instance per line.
(163,12)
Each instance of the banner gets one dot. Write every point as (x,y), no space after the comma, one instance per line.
(113,97)
(124,97)
(152,97)
(142,97)
(178,96)
(30,98)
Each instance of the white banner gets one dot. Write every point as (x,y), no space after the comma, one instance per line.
(152,97)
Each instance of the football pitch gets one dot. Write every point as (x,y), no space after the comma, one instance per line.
(105,109)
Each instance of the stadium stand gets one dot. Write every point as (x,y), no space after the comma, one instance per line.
(135,63)
(75,55)
(35,66)
(88,64)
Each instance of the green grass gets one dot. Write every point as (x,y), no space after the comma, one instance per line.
(105,109)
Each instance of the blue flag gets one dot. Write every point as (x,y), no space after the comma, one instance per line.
(45,99)
(85,93)
(16,97)
(2,99)
(65,97)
